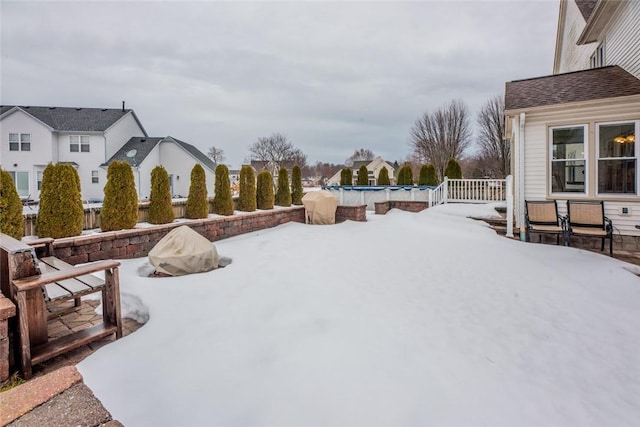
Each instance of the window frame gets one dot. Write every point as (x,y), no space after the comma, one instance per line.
(596,59)
(79,144)
(597,158)
(22,141)
(95,177)
(585,157)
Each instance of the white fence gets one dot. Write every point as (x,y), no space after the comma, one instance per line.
(450,191)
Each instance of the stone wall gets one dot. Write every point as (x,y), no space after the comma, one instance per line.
(7,310)
(382,208)
(139,241)
(351,213)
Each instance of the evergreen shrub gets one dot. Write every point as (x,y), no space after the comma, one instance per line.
(453,170)
(383,177)
(60,211)
(405,176)
(428,175)
(247,199)
(160,208)
(197,202)
(296,186)
(346,176)
(363,175)
(11,219)
(120,205)
(283,195)
(265,195)
(222,199)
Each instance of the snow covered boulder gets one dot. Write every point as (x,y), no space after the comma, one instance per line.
(320,207)
(183,251)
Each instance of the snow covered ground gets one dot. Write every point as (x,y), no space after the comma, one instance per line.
(407,319)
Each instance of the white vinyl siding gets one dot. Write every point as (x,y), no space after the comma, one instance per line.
(79,144)
(622,38)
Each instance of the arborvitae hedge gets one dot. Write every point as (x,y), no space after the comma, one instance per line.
(222,200)
(453,170)
(346,176)
(120,205)
(60,212)
(405,176)
(11,219)
(296,186)
(265,197)
(428,175)
(283,196)
(383,177)
(247,199)
(197,202)
(160,208)
(363,175)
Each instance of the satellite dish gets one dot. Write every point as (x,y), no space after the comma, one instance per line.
(131,153)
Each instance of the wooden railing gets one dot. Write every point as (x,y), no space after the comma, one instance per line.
(476,190)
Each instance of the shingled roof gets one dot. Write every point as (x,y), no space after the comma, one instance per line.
(64,119)
(586,8)
(585,85)
(144,145)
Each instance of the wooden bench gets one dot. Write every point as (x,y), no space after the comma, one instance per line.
(34,286)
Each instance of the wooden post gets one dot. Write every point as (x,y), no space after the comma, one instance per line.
(25,344)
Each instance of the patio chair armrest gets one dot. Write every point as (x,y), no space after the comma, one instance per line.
(563,221)
(608,224)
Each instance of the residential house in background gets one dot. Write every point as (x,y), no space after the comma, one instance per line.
(32,137)
(89,139)
(177,157)
(373,171)
(574,133)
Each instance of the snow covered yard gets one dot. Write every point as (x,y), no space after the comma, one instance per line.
(408,319)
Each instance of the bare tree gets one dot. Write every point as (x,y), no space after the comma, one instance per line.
(360,154)
(441,136)
(495,151)
(276,148)
(216,154)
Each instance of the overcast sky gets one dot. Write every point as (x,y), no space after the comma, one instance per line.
(332,76)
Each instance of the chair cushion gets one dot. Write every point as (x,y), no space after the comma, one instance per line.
(585,231)
(546,228)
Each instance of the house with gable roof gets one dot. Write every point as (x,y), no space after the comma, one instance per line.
(373,171)
(90,139)
(176,156)
(574,132)
(32,137)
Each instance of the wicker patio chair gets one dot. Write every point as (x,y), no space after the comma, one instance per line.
(542,217)
(587,219)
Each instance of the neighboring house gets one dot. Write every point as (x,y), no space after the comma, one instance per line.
(272,167)
(373,171)
(32,137)
(90,139)
(177,157)
(574,134)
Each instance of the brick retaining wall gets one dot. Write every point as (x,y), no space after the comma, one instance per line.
(351,213)
(382,208)
(139,241)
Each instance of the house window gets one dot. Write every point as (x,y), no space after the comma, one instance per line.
(94,177)
(39,180)
(597,59)
(21,181)
(79,143)
(617,158)
(568,174)
(19,142)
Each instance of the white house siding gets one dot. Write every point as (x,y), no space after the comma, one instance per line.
(622,38)
(87,162)
(572,56)
(537,155)
(119,133)
(26,161)
(179,162)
